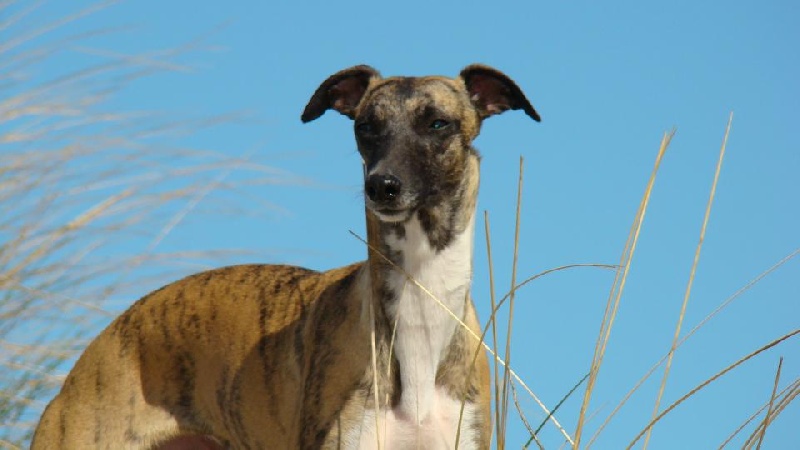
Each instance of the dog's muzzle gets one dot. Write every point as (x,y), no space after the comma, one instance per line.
(383,190)
(385,197)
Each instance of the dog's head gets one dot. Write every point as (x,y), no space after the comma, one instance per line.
(415,133)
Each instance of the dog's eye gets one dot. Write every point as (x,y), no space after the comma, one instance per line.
(364,128)
(438,124)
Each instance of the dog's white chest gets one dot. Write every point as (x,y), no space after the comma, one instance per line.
(424,327)
(393,430)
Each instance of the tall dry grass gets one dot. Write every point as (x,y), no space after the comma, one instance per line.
(506,385)
(87,194)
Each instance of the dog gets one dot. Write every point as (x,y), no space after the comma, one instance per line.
(359,357)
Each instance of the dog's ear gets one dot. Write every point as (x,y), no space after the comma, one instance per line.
(342,91)
(492,92)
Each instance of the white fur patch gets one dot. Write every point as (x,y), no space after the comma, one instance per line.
(398,432)
(424,328)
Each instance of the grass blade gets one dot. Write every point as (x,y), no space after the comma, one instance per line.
(765,424)
(794,386)
(493,323)
(709,381)
(779,407)
(512,292)
(616,291)
(692,273)
(697,327)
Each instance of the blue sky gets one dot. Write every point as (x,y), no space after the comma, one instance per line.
(609,78)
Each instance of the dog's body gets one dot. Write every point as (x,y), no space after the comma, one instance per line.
(271,357)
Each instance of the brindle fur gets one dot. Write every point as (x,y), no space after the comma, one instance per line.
(272,357)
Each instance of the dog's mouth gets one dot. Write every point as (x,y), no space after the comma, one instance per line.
(399,210)
(392,215)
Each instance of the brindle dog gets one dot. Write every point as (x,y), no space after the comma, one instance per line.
(280,357)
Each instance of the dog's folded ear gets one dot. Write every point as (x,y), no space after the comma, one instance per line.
(342,91)
(492,92)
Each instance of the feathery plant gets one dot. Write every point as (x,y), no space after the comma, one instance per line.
(87,193)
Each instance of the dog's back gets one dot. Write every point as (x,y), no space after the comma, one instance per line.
(226,353)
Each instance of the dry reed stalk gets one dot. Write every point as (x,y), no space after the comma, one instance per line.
(501,438)
(616,291)
(493,322)
(793,387)
(771,402)
(778,409)
(709,381)
(696,328)
(692,273)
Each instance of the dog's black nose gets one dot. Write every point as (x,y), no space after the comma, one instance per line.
(382,188)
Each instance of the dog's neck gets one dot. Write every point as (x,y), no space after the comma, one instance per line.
(431,259)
